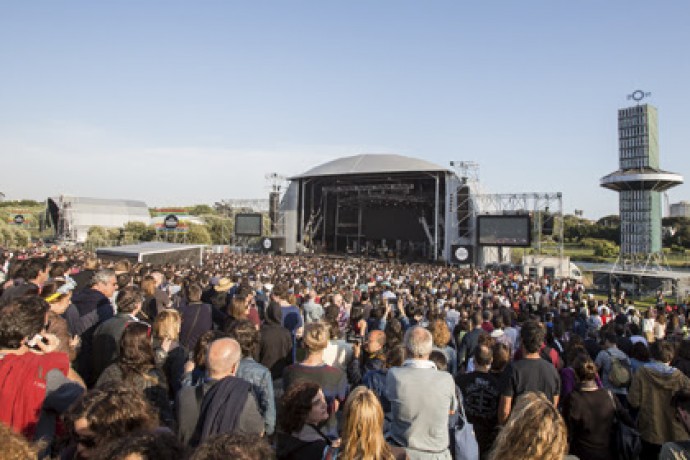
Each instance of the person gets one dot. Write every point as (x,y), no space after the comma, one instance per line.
(136,368)
(222,403)
(534,431)
(156,445)
(470,340)
(58,294)
(530,374)
(441,336)
(604,362)
(480,390)
(196,317)
(92,307)
(35,272)
(421,399)
(652,388)
(107,335)
(275,344)
(338,353)
(36,381)
(363,429)
(236,446)
(238,311)
(304,408)
(312,310)
(589,413)
(170,354)
(373,359)
(256,374)
(332,381)
(104,415)
(375,380)
(682,360)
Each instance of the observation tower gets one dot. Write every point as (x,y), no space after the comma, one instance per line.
(639,181)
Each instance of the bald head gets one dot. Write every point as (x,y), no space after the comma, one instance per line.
(223,356)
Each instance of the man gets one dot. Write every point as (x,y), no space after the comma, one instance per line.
(35,272)
(604,361)
(312,310)
(532,373)
(373,360)
(107,335)
(275,344)
(197,317)
(89,308)
(480,392)
(85,275)
(422,397)
(652,389)
(470,341)
(256,374)
(223,403)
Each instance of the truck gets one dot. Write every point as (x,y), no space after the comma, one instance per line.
(553,267)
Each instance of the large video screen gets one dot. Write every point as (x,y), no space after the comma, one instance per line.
(504,231)
(248,224)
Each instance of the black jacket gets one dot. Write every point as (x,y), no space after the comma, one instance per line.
(275,346)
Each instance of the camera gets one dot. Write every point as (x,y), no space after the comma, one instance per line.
(354,338)
(33,342)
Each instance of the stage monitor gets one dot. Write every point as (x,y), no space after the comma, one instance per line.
(248,224)
(495,230)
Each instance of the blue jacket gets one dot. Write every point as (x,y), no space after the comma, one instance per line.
(262,384)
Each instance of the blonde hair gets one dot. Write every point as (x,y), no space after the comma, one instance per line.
(316,336)
(440,333)
(167,325)
(363,431)
(534,431)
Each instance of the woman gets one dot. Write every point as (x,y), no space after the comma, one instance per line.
(442,338)
(149,309)
(363,429)
(589,413)
(660,327)
(170,355)
(105,415)
(58,294)
(237,311)
(534,431)
(304,408)
(136,369)
(375,379)
(331,380)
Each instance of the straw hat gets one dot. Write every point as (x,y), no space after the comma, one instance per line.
(223,285)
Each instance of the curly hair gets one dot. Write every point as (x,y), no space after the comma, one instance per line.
(363,429)
(440,333)
(162,445)
(236,446)
(296,404)
(22,318)
(246,335)
(534,431)
(113,412)
(16,446)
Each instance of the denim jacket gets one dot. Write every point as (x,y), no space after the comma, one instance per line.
(262,384)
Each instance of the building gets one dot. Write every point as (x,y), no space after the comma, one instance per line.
(72,217)
(681,209)
(639,181)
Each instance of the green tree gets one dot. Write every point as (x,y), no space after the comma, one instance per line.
(198,234)
(139,231)
(201,210)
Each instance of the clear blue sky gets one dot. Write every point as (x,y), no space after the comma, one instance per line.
(179,102)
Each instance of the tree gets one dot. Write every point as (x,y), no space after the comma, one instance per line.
(198,234)
(139,231)
(201,210)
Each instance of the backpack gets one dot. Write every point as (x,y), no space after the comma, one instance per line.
(619,374)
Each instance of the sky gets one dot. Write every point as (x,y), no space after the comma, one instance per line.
(182,103)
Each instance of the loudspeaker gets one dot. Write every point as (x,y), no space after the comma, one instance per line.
(461,254)
(547,224)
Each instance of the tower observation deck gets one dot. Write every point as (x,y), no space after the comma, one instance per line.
(639,181)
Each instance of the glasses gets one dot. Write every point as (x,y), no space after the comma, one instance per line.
(86,441)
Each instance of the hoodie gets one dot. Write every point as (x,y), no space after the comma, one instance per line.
(275,346)
(651,391)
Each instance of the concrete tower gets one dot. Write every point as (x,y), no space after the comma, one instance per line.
(639,181)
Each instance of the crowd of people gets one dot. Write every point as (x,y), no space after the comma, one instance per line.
(254,356)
